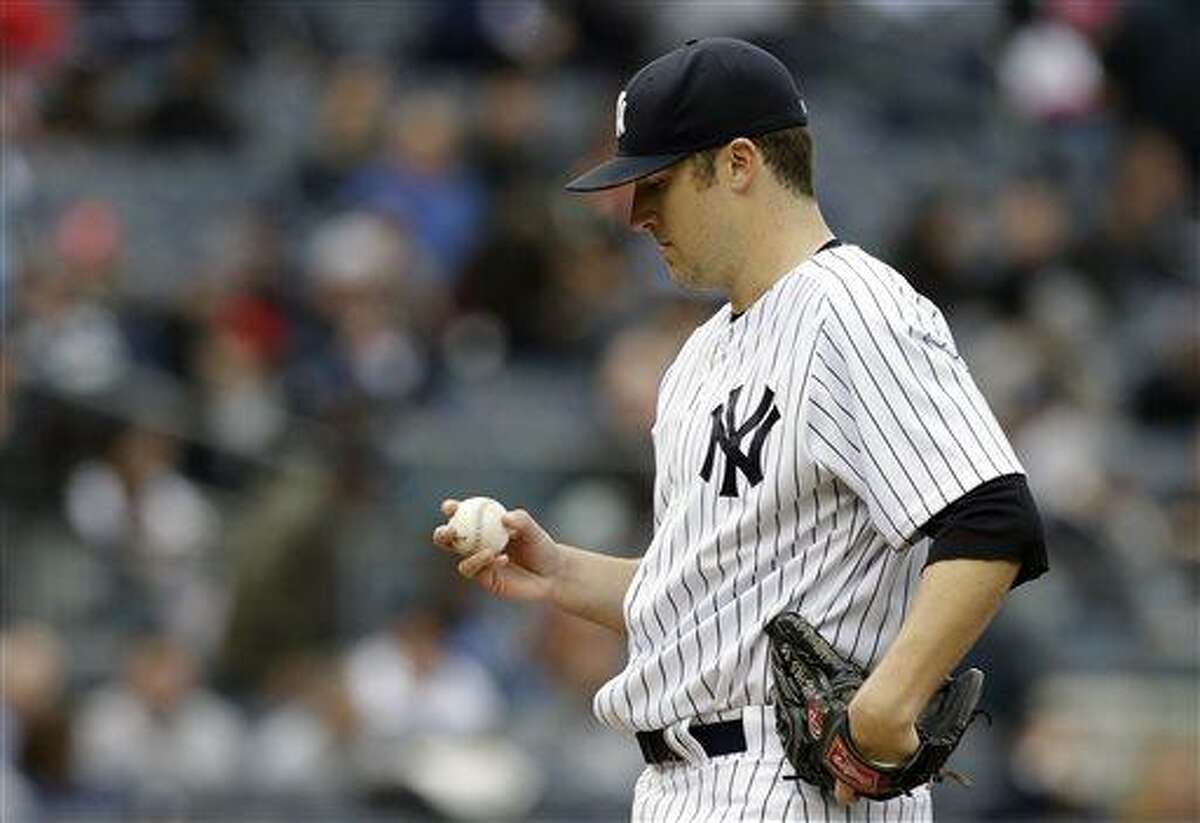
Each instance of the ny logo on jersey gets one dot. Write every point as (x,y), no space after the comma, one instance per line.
(727,434)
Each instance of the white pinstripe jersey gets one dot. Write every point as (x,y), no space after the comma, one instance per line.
(798,449)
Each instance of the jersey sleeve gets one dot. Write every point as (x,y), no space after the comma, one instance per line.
(891,409)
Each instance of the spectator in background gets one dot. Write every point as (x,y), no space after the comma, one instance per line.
(156,736)
(70,334)
(191,108)
(345,136)
(509,131)
(425,708)
(1149,58)
(1049,71)
(1034,234)
(35,742)
(283,545)
(157,527)
(408,680)
(367,294)
(559,293)
(89,242)
(941,246)
(423,180)
(510,273)
(232,332)
(415,695)
(301,750)
(134,500)
(594,293)
(70,344)
(243,404)
(1143,236)
(253,286)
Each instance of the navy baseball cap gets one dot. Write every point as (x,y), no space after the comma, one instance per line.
(703,94)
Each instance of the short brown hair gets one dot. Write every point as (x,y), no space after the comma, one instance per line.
(786,152)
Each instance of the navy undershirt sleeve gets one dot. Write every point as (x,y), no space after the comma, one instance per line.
(996,520)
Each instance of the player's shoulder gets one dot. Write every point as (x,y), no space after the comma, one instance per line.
(850,274)
(865,296)
(855,281)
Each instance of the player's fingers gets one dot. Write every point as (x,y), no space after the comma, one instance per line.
(449,506)
(448,539)
(517,521)
(476,563)
(843,794)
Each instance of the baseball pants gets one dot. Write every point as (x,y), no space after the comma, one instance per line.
(750,786)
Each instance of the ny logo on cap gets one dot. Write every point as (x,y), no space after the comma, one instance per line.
(620,115)
(728,436)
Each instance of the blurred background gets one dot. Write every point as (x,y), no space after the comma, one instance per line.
(278,277)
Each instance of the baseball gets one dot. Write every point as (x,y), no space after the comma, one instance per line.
(477,526)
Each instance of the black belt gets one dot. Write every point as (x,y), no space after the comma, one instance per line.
(726,737)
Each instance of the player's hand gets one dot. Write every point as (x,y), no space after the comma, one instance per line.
(524,570)
(879,738)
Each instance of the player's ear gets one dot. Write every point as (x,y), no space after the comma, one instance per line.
(742,161)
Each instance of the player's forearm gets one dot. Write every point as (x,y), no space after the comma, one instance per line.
(954,603)
(593,585)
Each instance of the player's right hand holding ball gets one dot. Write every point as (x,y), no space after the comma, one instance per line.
(523,568)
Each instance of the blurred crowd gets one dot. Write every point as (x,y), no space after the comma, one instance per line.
(277,278)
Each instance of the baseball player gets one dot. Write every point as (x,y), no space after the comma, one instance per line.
(820,449)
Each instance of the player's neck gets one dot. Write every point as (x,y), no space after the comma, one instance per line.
(780,242)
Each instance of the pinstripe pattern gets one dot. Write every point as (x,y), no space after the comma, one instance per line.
(880,427)
(750,789)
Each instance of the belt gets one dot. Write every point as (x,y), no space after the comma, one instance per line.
(726,737)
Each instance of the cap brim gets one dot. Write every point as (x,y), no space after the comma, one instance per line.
(621,170)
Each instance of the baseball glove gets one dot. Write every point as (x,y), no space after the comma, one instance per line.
(814,686)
